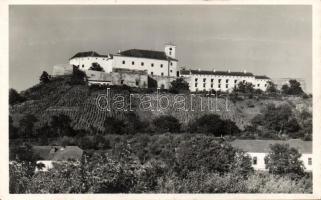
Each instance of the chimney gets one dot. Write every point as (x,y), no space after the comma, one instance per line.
(199,69)
(119,51)
(214,70)
(229,71)
(244,71)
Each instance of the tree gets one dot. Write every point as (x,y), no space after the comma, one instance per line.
(78,76)
(244,87)
(96,67)
(166,123)
(44,78)
(26,125)
(271,87)
(179,86)
(61,124)
(283,160)
(15,97)
(294,88)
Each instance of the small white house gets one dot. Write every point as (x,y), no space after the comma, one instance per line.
(259,149)
(55,154)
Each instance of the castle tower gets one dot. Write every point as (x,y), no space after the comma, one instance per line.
(170,50)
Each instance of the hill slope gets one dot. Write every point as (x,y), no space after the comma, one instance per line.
(79,103)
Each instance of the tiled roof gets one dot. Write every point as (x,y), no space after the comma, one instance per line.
(139,53)
(263,146)
(262,77)
(87,54)
(58,152)
(219,73)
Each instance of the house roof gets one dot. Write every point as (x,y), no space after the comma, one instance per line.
(262,77)
(219,73)
(263,146)
(140,53)
(58,153)
(87,54)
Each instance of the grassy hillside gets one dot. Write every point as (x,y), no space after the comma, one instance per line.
(79,103)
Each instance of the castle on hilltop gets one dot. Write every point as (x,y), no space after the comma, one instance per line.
(137,67)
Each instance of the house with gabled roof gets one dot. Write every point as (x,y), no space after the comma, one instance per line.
(259,149)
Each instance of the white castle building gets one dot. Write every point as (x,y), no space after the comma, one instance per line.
(157,63)
(202,80)
(162,66)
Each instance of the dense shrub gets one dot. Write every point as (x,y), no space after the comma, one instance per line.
(166,123)
(210,154)
(15,97)
(179,86)
(280,119)
(293,88)
(96,67)
(114,126)
(213,124)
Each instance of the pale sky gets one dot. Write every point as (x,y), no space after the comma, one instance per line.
(266,40)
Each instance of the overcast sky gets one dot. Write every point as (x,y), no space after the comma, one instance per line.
(267,40)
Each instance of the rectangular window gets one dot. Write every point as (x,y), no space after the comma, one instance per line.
(235,81)
(219,85)
(196,80)
(133,63)
(219,80)
(152,64)
(309,161)
(137,82)
(204,84)
(142,64)
(171,70)
(124,62)
(161,65)
(83,65)
(204,79)
(121,81)
(254,160)
(195,84)
(212,80)
(226,80)
(226,86)
(258,85)
(171,64)
(211,85)
(265,85)
(162,74)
